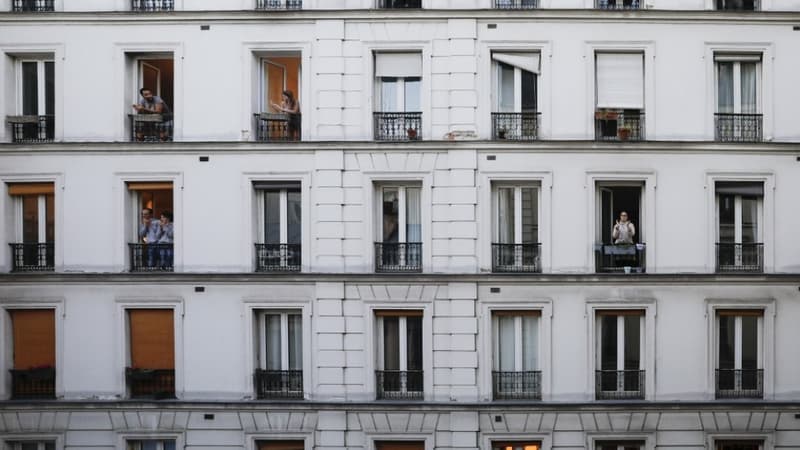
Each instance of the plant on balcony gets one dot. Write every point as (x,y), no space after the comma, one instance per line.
(412,133)
(624,133)
(501,133)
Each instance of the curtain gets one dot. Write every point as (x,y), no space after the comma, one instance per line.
(608,342)
(414,343)
(272,217)
(505,219)
(749,342)
(272,322)
(391,219)
(725,87)
(749,220)
(391,343)
(748,82)
(506,346)
(293,215)
(389,94)
(632,342)
(530,334)
(530,210)
(295,342)
(726,339)
(413,212)
(506,94)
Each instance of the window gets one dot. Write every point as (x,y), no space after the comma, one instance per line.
(279,372)
(740,370)
(31,445)
(152,5)
(151,246)
(398,93)
(617,4)
(34,353)
(151,444)
(279,4)
(516,446)
(399,374)
(739,445)
(33,244)
(278,246)
(399,4)
(400,228)
(516,112)
(516,372)
(738,117)
(35,121)
(152,94)
(516,4)
(151,373)
(280,445)
(620,355)
(623,445)
(33,6)
(515,246)
(739,245)
(621,247)
(741,5)
(619,113)
(279,117)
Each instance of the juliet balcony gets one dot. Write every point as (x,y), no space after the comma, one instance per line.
(39,383)
(151,257)
(625,258)
(616,4)
(32,129)
(516,258)
(278,257)
(525,385)
(516,4)
(152,5)
(398,257)
(33,6)
(619,384)
(397,126)
(619,125)
(399,384)
(151,127)
(740,258)
(266,5)
(32,257)
(738,127)
(515,126)
(279,384)
(739,383)
(272,127)
(153,384)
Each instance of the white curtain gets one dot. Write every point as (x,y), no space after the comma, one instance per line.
(273,344)
(412,95)
(725,88)
(294,215)
(530,333)
(620,80)
(506,94)
(748,81)
(530,224)
(295,342)
(505,219)
(413,212)
(389,95)
(506,343)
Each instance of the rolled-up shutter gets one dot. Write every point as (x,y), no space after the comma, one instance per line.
(274,185)
(401,65)
(150,186)
(524,61)
(152,338)
(34,334)
(30,188)
(620,80)
(746,188)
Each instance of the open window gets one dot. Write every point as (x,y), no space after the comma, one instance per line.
(740,360)
(33,375)
(151,369)
(516,115)
(278,116)
(515,245)
(620,343)
(279,218)
(399,248)
(619,80)
(516,373)
(620,244)
(151,94)
(739,117)
(740,241)
(398,80)
(33,243)
(399,374)
(279,355)
(33,119)
(152,228)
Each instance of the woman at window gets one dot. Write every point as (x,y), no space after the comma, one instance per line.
(290,106)
(624,230)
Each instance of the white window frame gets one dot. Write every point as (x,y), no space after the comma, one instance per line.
(40,444)
(518,338)
(737,86)
(496,186)
(124,438)
(401,209)
(283,213)
(10,98)
(767,440)
(738,218)
(402,342)
(647,441)
(620,343)
(496,73)
(41,213)
(284,314)
(607,184)
(737,342)
(11,441)
(400,95)
(40,83)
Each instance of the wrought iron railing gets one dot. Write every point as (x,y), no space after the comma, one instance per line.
(398,126)
(399,384)
(278,257)
(152,5)
(619,125)
(399,4)
(151,257)
(616,4)
(626,258)
(32,129)
(398,257)
(279,4)
(151,127)
(32,257)
(33,383)
(525,385)
(516,4)
(740,383)
(277,127)
(516,258)
(515,126)
(738,127)
(150,383)
(278,384)
(33,6)
(739,5)
(619,384)
(740,257)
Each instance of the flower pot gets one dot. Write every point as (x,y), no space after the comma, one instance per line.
(412,133)
(501,134)
(624,134)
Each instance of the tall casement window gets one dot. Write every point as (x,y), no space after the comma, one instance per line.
(279,372)
(740,207)
(400,228)
(619,112)
(34,353)
(278,117)
(619,445)
(739,445)
(151,444)
(516,373)
(516,445)
(399,4)
(151,373)
(515,246)
(152,226)
(32,248)
(279,215)
(620,245)
(35,119)
(516,115)
(739,117)
(740,361)
(30,445)
(152,94)
(398,80)
(620,345)
(280,445)
(399,374)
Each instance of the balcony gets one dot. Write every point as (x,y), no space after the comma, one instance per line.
(619,384)
(277,127)
(399,384)
(33,6)
(739,5)
(399,4)
(515,126)
(151,257)
(33,383)
(152,5)
(739,383)
(264,5)
(516,258)
(32,257)
(278,384)
(616,4)
(150,383)
(398,257)
(516,4)
(151,127)
(740,258)
(625,258)
(32,129)
(398,126)
(278,257)
(619,125)
(738,127)
(517,385)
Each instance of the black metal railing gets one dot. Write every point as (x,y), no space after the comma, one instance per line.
(398,126)
(619,384)
(398,257)
(625,258)
(32,257)
(738,127)
(151,127)
(619,125)
(399,384)
(278,384)
(33,383)
(740,383)
(616,4)
(516,4)
(277,127)
(516,258)
(278,257)
(515,126)
(525,385)
(151,257)
(279,4)
(740,257)
(150,383)
(399,4)
(739,5)
(152,5)
(33,6)
(32,129)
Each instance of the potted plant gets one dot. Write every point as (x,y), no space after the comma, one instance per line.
(623,133)
(501,133)
(412,133)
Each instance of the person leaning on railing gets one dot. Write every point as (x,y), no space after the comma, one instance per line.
(165,239)
(290,106)
(149,233)
(153,104)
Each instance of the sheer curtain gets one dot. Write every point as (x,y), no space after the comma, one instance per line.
(505,216)
(389,94)
(749,220)
(530,225)
(725,88)
(530,333)
(506,94)
(273,344)
(506,344)
(295,342)
(748,82)
(391,343)
(413,213)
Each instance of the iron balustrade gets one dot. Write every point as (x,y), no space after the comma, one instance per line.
(150,383)
(33,6)
(739,383)
(278,257)
(398,126)
(278,4)
(398,257)
(400,4)
(619,125)
(152,5)
(272,384)
(526,385)
(151,257)
(515,126)
(739,5)
(32,129)
(151,127)
(619,384)
(32,257)
(616,4)
(516,258)
(738,127)
(33,383)
(626,258)
(399,384)
(277,127)
(516,4)
(740,257)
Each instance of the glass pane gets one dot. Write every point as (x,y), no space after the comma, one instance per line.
(149,445)
(134,445)
(295,342)
(413,211)
(530,335)
(412,95)
(49,88)
(506,344)
(505,220)
(725,87)
(749,220)
(50,226)
(293,215)
(273,344)
(726,342)
(606,215)
(749,342)
(608,342)
(414,342)
(52,446)
(749,89)
(530,222)
(528,91)
(389,94)
(506,94)
(391,232)
(391,343)
(29,445)
(30,88)
(169,445)
(727,212)
(272,217)
(30,218)
(632,342)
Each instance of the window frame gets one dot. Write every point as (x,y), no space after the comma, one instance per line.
(518,338)
(621,341)
(545,439)
(766,439)
(284,314)
(496,77)
(41,211)
(738,220)
(123,438)
(737,341)
(402,208)
(7,440)
(402,331)
(40,82)
(496,186)
(737,87)
(283,212)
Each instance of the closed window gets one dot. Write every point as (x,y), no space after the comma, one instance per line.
(515,246)
(740,369)
(620,354)
(740,240)
(516,373)
(619,94)
(399,354)
(399,244)
(35,101)
(34,227)
(151,372)
(279,372)
(279,214)
(738,116)
(34,353)
(398,107)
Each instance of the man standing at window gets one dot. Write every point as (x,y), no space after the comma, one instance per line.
(149,232)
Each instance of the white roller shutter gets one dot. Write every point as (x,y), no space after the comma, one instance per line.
(401,65)
(620,80)
(524,61)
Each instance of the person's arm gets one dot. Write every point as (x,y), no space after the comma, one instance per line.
(158,108)
(615,231)
(632,229)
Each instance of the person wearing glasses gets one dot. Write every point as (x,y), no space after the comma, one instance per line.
(624,230)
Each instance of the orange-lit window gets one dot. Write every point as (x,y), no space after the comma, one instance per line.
(516,445)
(400,445)
(35,207)
(619,445)
(154,196)
(280,445)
